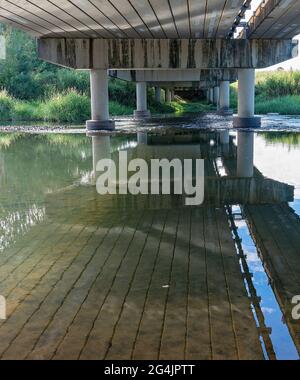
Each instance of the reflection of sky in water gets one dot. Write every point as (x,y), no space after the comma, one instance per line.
(282,342)
(279,161)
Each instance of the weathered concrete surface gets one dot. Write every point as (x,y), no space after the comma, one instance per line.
(165,53)
(175,75)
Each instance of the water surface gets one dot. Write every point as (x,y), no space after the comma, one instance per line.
(123,276)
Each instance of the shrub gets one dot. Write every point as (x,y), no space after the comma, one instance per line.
(24,111)
(6,106)
(116,109)
(70,108)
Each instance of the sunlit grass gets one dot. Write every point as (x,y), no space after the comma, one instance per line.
(275,92)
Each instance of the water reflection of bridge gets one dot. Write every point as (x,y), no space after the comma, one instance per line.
(140,276)
(275,229)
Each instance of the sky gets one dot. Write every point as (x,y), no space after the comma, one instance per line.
(293,64)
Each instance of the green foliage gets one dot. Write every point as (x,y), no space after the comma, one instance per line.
(289,139)
(117,109)
(70,108)
(6,106)
(190,107)
(29,111)
(276,92)
(122,92)
(286,105)
(278,83)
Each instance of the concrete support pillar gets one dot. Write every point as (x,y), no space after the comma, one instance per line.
(216,96)
(245,154)
(211,95)
(246,98)
(99,102)
(172,95)
(168,96)
(141,111)
(225,98)
(158,94)
(208,96)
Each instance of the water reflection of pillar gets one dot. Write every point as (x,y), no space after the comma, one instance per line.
(101,150)
(245,154)
(224,141)
(142,138)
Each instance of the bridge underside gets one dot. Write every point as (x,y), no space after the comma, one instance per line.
(275,19)
(122,19)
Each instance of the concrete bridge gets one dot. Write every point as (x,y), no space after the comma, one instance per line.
(160,35)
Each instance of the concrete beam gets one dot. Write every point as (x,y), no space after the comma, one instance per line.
(161,76)
(165,53)
(175,84)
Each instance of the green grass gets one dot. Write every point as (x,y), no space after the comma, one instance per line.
(117,109)
(182,106)
(275,92)
(74,107)
(285,105)
(71,107)
(7,105)
(284,138)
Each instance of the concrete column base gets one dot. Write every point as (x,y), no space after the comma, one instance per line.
(142,114)
(100,125)
(225,112)
(246,122)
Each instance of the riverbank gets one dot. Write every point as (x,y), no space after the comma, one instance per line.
(73,107)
